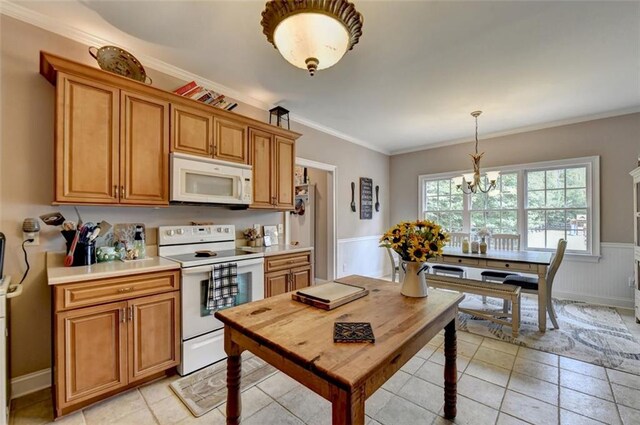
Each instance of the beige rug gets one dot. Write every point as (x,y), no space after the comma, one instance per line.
(206,389)
(591,333)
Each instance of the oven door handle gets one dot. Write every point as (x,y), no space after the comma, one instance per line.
(196,270)
(253,262)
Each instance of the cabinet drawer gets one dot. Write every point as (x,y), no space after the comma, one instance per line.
(82,294)
(281,262)
(521,267)
(463,261)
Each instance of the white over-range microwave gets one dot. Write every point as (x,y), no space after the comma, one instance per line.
(202,180)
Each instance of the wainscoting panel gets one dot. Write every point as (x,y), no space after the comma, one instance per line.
(362,256)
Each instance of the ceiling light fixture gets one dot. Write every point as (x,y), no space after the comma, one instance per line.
(312,34)
(471,183)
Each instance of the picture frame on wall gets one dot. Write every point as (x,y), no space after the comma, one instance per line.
(366,198)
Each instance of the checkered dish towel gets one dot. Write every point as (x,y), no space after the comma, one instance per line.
(223,286)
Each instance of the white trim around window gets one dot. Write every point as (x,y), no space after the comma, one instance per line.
(592,165)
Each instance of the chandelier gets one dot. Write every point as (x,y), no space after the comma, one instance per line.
(472,182)
(312,34)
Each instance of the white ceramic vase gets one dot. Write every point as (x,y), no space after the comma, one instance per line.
(414,283)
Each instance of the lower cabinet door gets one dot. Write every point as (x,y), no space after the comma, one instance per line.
(91,352)
(276,283)
(154,334)
(301,278)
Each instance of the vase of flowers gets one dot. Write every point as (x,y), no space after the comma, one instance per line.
(483,233)
(415,242)
(251,235)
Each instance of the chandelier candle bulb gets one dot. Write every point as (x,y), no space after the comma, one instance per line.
(473,182)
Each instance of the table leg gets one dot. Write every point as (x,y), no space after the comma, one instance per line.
(234,370)
(347,408)
(450,370)
(542,298)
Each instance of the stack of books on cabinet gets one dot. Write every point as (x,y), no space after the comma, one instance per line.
(195,91)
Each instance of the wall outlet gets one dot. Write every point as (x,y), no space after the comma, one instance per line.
(631,281)
(35,236)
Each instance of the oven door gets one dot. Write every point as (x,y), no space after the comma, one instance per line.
(197,319)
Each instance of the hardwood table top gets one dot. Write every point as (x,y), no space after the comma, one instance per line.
(304,334)
(531,257)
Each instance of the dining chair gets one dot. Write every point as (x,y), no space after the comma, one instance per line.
(502,242)
(529,285)
(396,267)
(455,239)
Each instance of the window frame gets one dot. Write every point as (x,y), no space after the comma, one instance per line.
(592,164)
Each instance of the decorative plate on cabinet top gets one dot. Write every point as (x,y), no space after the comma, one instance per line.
(119,61)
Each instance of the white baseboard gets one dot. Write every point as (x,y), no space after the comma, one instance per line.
(607,301)
(31,382)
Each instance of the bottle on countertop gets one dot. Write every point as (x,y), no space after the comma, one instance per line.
(139,243)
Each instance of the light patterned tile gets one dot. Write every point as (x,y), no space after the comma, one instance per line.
(568,417)
(539,356)
(533,387)
(529,409)
(590,406)
(158,390)
(34,414)
(140,417)
(272,414)
(482,391)
(377,401)
(504,419)
(466,349)
(304,403)
(278,385)
(214,417)
(505,347)
(626,396)
(583,368)
(114,408)
(488,372)
(423,393)
(169,410)
(396,382)
(252,400)
(433,372)
(586,384)
(629,416)
(623,378)
(536,370)
(437,340)
(470,412)
(469,337)
(76,418)
(495,357)
(400,411)
(412,365)
(426,351)
(461,361)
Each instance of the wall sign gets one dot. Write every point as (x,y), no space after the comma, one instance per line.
(366,198)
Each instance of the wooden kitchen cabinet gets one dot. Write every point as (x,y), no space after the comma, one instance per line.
(191,130)
(273,159)
(287,272)
(230,141)
(108,346)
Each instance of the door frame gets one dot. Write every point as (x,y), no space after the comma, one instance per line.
(332,232)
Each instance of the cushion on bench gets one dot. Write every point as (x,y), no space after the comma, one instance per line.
(530,283)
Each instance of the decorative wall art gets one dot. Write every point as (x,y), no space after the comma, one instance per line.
(366,198)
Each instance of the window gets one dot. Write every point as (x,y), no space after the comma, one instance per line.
(444,204)
(543,202)
(498,209)
(557,208)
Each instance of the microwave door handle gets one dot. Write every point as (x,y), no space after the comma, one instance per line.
(240,194)
(251,262)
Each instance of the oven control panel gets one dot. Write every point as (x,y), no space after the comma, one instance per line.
(180,235)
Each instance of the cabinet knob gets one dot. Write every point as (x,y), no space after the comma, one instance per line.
(122,192)
(506,265)
(459,260)
(115,190)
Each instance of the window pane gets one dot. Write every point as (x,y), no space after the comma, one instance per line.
(431,188)
(478,201)
(535,199)
(509,222)
(444,187)
(455,222)
(456,201)
(576,197)
(433,216)
(555,227)
(535,180)
(577,177)
(577,230)
(443,203)
(509,182)
(555,198)
(493,200)
(509,200)
(493,221)
(477,221)
(535,229)
(431,203)
(555,179)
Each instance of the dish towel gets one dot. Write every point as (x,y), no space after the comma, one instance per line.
(223,286)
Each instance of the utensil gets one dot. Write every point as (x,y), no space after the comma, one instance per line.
(94,234)
(68,260)
(119,61)
(353,197)
(377,205)
(79,224)
(69,225)
(104,228)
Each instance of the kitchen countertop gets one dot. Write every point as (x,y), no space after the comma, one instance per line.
(268,251)
(57,273)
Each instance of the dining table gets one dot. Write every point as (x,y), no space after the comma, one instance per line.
(298,340)
(516,261)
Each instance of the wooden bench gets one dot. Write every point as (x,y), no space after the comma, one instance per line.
(495,290)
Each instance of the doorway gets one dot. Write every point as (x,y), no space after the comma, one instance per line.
(314,221)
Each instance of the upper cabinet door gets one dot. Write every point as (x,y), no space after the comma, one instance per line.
(192,130)
(230,141)
(86,141)
(262,160)
(144,150)
(285,158)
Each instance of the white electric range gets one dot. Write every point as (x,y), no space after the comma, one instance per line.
(198,249)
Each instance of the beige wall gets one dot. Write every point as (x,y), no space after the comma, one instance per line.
(319,179)
(616,140)
(26,170)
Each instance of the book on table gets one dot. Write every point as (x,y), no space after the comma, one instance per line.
(329,295)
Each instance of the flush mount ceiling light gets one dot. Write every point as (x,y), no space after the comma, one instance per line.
(312,34)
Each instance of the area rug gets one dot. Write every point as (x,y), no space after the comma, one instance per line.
(206,389)
(591,333)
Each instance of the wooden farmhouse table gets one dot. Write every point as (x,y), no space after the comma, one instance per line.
(298,340)
(532,262)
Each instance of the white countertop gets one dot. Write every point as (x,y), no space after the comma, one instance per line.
(57,273)
(268,251)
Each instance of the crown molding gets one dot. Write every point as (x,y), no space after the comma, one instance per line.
(49,24)
(518,130)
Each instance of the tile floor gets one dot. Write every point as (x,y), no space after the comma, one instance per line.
(499,383)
